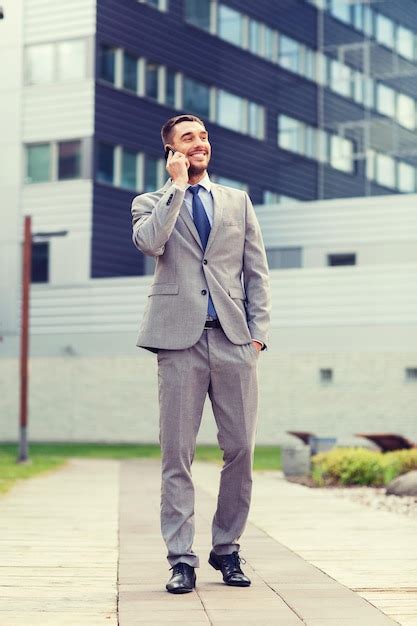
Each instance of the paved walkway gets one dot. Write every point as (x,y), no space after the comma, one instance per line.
(71,539)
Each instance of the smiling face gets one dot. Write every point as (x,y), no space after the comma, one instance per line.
(191,138)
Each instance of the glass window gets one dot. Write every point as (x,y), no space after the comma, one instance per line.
(107,63)
(309,64)
(323,145)
(384,30)
(290,134)
(310,142)
(406,177)
(358,87)
(406,111)
(105,172)
(358,16)
(40,64)
(256,120)
(230,25)
(385,170)
(71,57)
(151,174)
(289,53)
(370,164)
(151,80)
(368,21)
(130,72)
(69,159)
(270,38)
(129,170)
(341,259)
(170,88)
(341,10)
(196,97)
(197,12)
(38,163)
(341,152)
(369,92)
(40,262)
(405,42)
(255,38)
(271,197)
(340,78)
(230,111)
(385,100)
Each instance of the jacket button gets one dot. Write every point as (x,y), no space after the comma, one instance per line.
(203,292)
(205,261)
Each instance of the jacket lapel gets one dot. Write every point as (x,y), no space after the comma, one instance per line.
(217,213)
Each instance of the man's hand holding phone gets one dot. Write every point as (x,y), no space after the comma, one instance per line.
(177,167)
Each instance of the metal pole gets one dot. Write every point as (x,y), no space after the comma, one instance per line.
(24,340)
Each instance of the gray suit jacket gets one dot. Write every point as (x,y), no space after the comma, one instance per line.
(176,309)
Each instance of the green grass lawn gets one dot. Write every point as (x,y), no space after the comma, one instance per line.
(48,456)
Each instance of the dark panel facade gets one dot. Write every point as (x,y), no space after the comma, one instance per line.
(123,118)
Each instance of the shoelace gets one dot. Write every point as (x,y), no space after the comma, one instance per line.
(236,561)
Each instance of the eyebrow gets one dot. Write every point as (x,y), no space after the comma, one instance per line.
(202,132)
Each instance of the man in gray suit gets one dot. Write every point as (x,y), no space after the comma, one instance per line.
(207,318)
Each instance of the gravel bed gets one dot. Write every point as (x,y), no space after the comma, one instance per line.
(376,498)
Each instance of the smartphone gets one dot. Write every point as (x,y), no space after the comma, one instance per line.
(168,149)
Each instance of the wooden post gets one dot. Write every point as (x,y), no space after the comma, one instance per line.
(24,339)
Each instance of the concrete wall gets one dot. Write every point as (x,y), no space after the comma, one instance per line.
(114,399)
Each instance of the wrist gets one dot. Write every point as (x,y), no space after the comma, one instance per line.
(181,183)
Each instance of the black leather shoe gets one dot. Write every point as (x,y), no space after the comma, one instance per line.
(229,564)
(182,580)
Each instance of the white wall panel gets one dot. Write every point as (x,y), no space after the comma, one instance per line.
(352,221)
(58,111)
(47,20)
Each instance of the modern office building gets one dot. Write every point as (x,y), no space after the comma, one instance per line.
(308,102)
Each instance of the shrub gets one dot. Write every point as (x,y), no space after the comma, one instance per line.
(359,466)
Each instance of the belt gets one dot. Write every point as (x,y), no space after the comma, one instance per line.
(212,322)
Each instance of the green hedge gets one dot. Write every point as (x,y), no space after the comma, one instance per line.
(360,466)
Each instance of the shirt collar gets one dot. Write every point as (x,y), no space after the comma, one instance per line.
(205,182)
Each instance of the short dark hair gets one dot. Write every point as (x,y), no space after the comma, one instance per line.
(166,130)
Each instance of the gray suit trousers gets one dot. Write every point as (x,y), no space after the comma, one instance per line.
(228,373)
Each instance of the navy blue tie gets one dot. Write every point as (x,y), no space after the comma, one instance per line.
(203,227)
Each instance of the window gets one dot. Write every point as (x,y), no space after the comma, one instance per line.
(128,178)
(38,163)
(385,170)
(290,134)
(71,60)
(40,64)
(326,375)
(273,197)
(341,259)
(130,72)
(340,78)
(107,63)
(368,20)
(255,37)
(151,80)
(270,44)
(289,53)
(384,32)
(341,153)
(161,5)
(284,258)
(197,12)
(152,180)
(40,262)
(196,97)
(69,160)
(405,43)
(411,374)
(406,111)
(256,122)
(105,171)
(341,10)
(406,177)
(385,100)
(170,88)
(230,111)
(230,25)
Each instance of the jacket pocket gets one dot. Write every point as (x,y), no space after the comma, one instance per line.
(236,292)
(163,289)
